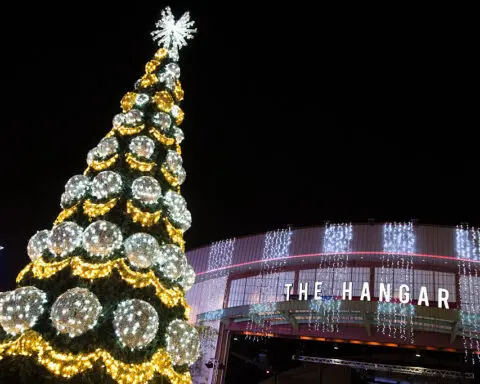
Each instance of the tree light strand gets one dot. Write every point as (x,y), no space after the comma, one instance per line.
(68,365)
(91,271)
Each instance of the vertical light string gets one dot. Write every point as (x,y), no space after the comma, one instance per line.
(468,251)
(333,271)
(276,246)
(396,319)
(213,291)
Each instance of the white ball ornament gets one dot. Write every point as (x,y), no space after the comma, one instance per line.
(64,238)
(106,184)
(146,189)
(183,343)
(174,69)
(142,146)
(133,117)
(181,176)
(141,99)
(77,187)
(135,323)
(178,134)
(37,244)
(162,120)
(118,120)
(91,155)
(21,308)
(172,261)
(107,147)
(102,238)
(188,278)
(174,161)
(142,250)
(75,312)
(177,210)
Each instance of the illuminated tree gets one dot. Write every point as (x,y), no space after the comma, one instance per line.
(104,294)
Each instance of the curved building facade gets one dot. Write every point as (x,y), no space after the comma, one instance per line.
(394,284)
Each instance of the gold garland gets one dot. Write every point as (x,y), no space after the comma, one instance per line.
(175,234)
(68,365)
(142,166)
(128,101)
(91,271)
(163,100)
(146,219)
(101,165)
(172,180)
(93,210)
(128,131)
(178,91)
(161,137)
(65,214)
(148,79)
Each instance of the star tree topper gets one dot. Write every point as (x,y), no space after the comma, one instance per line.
(173,35)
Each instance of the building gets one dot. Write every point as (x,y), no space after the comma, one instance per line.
(332,277)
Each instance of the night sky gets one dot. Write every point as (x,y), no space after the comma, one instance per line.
(293,117)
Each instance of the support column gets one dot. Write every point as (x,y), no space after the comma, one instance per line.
(221,355)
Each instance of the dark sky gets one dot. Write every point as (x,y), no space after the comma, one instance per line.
(293,115)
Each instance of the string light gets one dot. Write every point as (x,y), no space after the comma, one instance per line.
(65,214)
(175,234)
(178,91)
(138,165)
(68,365)
(468,248)
(129,131)
(128,101)
(277,245)
(161,137)
(146,219)
(91,271)
(399,246)
(172,180)
(336,245)
(93,210)
(105,164)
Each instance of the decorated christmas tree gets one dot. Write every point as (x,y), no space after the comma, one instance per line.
(104,294)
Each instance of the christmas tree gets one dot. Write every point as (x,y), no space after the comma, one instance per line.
(104,294)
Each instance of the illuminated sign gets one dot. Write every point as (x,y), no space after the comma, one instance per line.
(384,289)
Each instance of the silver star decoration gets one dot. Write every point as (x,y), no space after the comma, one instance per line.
(173,35)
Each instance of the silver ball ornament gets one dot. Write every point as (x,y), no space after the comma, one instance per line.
(107,147)
(64,238)
(188,278)
(133,117)
(21,308)
(146,189)
(77,187)
(162,120)
(183,342)
(142,146)
(75,312)
(102,238)
(135,323)
(171,261)
(174,69)
(177,210)
(174,161)
(106,184)
(37,244)
(142,250)
(118,120)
